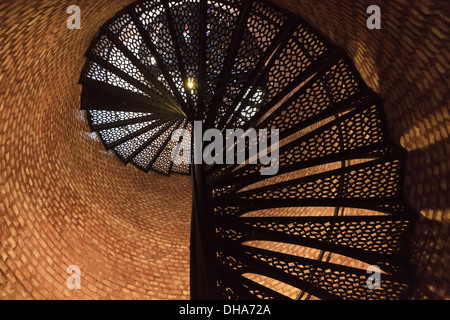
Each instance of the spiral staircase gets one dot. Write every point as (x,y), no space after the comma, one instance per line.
(336,205)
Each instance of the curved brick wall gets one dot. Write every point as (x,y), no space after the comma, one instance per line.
(63,200)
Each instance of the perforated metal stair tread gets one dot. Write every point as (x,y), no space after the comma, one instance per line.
(160,65)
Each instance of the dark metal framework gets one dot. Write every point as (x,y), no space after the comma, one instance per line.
(159,65)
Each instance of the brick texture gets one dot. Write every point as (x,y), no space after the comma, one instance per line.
(64,200)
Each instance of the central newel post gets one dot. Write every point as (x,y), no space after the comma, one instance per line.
(202,231)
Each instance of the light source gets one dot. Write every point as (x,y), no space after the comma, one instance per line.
(190,83)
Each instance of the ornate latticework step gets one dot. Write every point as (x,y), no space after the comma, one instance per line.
(336,205)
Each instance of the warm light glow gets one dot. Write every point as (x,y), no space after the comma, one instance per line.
(190,84)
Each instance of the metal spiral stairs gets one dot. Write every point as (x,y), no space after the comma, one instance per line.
(336,204)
